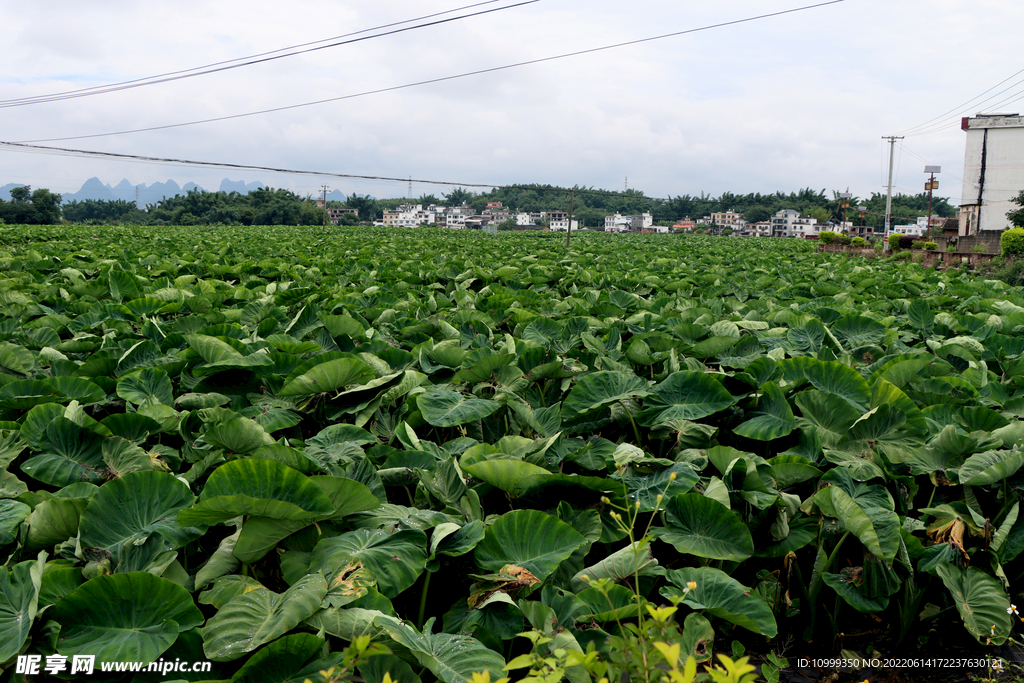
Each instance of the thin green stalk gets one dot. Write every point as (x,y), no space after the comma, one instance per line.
(423,601)
(636,432)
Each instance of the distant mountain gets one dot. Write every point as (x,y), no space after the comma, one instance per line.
(5,190)
(239,186)
(94,188)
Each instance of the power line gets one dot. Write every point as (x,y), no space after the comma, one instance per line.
(445,78)
(959,107)
(254,59)
(941,122)
(62,151)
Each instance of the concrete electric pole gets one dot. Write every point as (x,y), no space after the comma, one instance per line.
(888,195)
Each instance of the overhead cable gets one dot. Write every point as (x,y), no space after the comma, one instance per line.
(443,78)
(255,59)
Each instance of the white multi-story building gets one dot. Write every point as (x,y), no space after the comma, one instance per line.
(620,223)
(759,229)
(728,219)
(408,216)
(617,223)
(913,230)
(993,172)
(789,223)
(455,217)
(563,223)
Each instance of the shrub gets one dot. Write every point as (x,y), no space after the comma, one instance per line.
(917,258)
(842,239)
(928,245)
(879,247)
(903,241)
(1012,241)
(826,236)
(858,242)
(950,247)
(978,249)
(900,256)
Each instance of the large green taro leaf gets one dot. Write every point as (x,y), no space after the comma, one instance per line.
(600,389)
(130,509)
(54,520)
(876,527)
(829,415)
(772,419)
(719,594)
(211,349)
(19,599)
(621,565)
(849,590)
(858,330)
(146,387)
(263,488)
(12,514)
(687,396)
(395,560)
(990,467)
(69,454)
(450,408)
(530,539)
(329,376)
(701,526)
(237,435)
(503,474)
(981,600)
(124,617)
(22,394)
(830,377)
(645,489)
(280,661)
(452,658)
(259,616)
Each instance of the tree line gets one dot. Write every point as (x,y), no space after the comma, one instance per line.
(269,206)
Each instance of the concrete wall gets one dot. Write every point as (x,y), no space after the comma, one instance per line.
(989,242)
(993,172)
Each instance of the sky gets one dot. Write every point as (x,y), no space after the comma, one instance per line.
(797,100)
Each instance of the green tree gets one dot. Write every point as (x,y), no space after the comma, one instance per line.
(457,196)
(31,207)
(1017,216)
(822,215)
(366,207)
(756,214)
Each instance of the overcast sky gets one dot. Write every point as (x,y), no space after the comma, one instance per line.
(781,103)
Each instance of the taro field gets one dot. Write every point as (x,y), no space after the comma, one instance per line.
(384,454)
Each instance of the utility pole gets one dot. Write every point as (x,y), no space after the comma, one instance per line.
(568,231)
(932,184)
(845,204)
(409,191)
(888,196)
(324,186)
